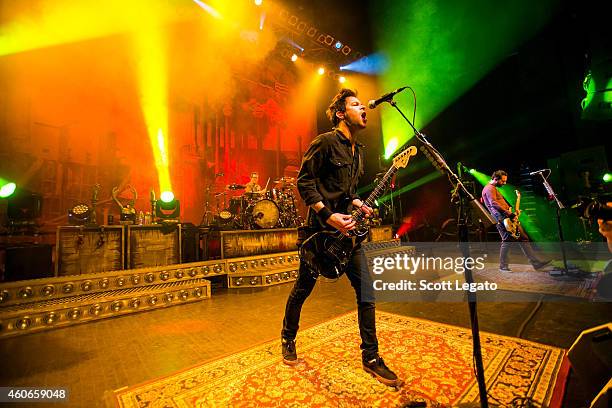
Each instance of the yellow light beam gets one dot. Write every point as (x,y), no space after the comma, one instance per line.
(150,47)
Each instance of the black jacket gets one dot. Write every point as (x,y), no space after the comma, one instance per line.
(330,173)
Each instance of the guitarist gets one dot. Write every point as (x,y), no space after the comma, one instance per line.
(327,182)
(500,209)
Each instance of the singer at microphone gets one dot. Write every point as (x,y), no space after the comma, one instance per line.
(385,98)
(327,181)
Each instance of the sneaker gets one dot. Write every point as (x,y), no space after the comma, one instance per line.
(289,352)
(540,265)
(381,372)
(504,268)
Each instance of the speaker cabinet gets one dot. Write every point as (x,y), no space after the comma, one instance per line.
(591,359)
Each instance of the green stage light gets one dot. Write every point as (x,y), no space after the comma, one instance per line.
(607,177)
(442,49)
(7,189)
(167,196)
(391,147)
(481,177)
(415,184)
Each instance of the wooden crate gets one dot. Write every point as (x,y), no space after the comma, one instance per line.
(242,243)
(153,245)
(83,250)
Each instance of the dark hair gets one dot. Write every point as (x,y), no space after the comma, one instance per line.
(498,174)
(338,104)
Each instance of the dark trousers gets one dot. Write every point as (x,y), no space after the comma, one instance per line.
(523,242)
(358,274)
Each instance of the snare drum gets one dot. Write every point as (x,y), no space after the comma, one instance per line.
(264,214)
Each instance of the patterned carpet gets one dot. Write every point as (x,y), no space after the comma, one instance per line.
(433,359)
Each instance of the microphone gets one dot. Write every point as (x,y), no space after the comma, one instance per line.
(533,173)
(385,98)
(220,174)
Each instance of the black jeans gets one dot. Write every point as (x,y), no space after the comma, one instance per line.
(359,276)
(523,242)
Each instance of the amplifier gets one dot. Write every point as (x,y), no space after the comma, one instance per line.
(381,233)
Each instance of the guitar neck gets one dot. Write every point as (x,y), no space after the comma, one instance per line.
(378,190)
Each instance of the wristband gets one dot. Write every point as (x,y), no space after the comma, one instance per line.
(324,214)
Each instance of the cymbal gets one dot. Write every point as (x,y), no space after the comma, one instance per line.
(254,193)
(290,180)
(235,186)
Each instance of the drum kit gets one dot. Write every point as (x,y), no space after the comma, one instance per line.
(273,208)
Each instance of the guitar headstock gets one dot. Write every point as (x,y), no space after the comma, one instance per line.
(518,193)
(401,160)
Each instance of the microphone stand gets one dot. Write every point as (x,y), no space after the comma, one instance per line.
(463,239)
(560,206)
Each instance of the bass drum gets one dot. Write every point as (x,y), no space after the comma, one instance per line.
(264,214)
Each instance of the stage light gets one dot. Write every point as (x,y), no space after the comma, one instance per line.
(168,209)
(209,9)
(321,70)
(371,65)
(258,2)
(472,171)
(80,214)
(294,57)
(338,45)
(167,196)
(607,177)
(7,189)
(293,43)
(342,79)
(391,147)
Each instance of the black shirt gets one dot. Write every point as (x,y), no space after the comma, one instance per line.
(330,173)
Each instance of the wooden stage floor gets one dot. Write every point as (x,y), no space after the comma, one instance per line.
(95,358)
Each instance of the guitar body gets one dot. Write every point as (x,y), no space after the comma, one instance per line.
(328,253)
(512,226)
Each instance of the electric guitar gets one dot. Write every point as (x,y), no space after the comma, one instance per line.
(512,226)
(328,253)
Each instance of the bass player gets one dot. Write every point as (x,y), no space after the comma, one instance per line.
(501,210)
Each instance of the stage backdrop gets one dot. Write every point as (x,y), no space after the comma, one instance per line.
(72,116)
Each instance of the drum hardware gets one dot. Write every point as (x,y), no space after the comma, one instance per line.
(267,208)
(263,214)
(207,218)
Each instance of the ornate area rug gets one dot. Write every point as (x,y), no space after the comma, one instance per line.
(524,278)
(434,360)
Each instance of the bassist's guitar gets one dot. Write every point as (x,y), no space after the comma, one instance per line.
(328,253)
(512,225)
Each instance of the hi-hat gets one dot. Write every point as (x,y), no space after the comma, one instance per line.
(288,180)
(235,186)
